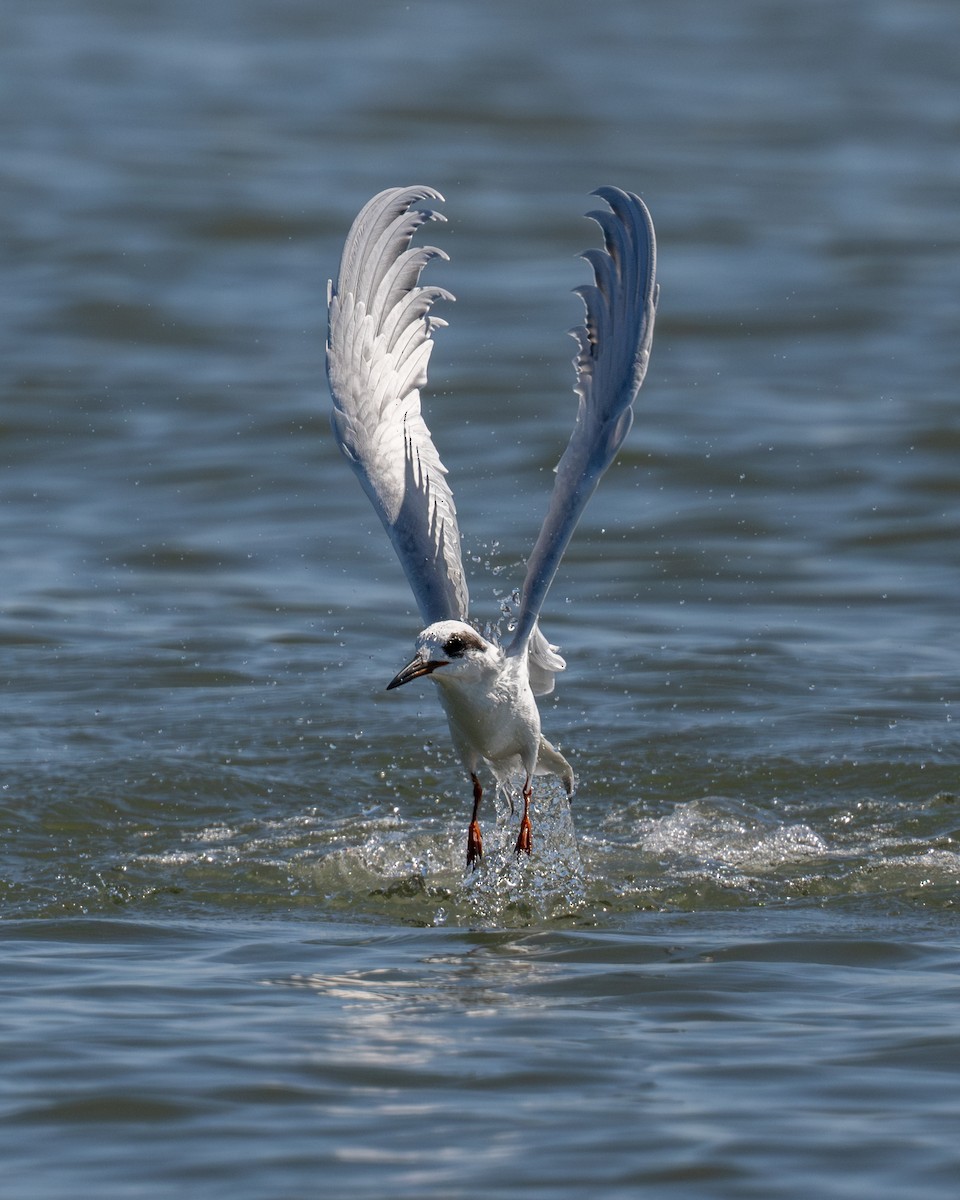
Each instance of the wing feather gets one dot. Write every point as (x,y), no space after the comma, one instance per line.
(613,351)
(379,342)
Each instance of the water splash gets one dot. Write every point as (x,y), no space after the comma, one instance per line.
(419,874)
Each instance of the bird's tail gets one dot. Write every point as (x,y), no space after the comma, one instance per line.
(551,762)
(543,662)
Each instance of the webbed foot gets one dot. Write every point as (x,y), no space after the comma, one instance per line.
(474,845)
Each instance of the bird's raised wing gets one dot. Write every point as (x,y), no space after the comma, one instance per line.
(378,346)
(614,342)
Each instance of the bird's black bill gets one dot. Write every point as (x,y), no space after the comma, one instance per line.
(413,670)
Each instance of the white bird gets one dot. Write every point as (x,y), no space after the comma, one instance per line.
(380,336)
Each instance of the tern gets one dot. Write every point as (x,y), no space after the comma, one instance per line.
(379,341)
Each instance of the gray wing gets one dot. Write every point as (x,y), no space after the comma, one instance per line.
(614,342)
(379,341)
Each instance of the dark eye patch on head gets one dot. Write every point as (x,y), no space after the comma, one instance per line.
(457,645)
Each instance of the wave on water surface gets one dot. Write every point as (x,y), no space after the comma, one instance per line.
(706,854)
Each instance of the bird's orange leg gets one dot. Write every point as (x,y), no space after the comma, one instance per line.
(524,839)
(474,839)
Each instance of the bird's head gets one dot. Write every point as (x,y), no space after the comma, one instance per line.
(448,651)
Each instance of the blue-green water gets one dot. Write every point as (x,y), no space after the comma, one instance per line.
(241,957)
